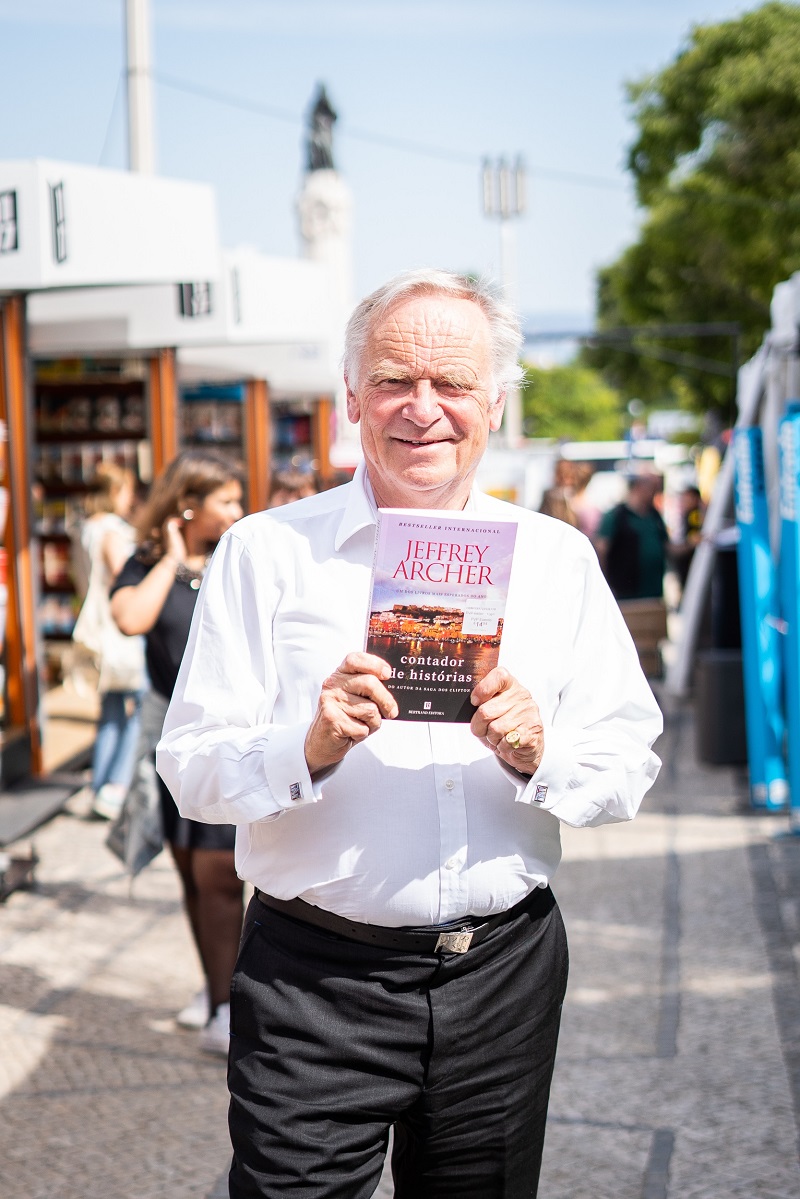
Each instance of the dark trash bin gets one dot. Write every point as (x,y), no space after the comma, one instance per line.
(726,625)
(719,708)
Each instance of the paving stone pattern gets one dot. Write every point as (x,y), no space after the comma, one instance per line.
(678,1075)
(101,1094)
(673,1076)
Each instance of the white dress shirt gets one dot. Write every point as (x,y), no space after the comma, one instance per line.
(420,824)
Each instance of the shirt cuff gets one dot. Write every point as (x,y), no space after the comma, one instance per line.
(289,783)
(546,786)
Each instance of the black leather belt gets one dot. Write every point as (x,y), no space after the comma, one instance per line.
(451,939)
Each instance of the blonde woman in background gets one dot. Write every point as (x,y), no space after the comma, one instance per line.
(104,542)
(587,513)
(557,500)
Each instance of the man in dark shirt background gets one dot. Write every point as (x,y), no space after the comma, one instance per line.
(632,541)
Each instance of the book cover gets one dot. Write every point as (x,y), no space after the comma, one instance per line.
(439,589)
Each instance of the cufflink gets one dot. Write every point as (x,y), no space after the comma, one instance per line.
(295,792)
(540,794)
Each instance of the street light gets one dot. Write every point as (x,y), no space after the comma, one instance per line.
(503,188)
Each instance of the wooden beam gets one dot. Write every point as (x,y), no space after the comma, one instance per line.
(258,444)
(21,660)
(163,409)
(321,429)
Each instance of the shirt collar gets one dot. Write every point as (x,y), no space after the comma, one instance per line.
(361,511)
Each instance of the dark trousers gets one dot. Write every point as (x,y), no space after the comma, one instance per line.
(334,1042)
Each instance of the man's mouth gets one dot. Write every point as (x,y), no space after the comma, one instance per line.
(420,441)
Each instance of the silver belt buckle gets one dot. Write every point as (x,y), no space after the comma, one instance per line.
(455,942)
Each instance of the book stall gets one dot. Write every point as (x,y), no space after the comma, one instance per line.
(67,230)
(248,347)
(280,349)
(755,503)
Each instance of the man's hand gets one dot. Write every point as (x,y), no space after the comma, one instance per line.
(352,704)
(507,720)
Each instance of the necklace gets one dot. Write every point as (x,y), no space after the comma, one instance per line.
(193,577)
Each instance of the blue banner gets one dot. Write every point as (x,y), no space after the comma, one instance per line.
(761,624)
(789,446)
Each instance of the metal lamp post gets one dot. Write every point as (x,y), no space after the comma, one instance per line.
(503,189)
(141,143)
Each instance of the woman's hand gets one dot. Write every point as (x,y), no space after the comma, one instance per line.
(174,544)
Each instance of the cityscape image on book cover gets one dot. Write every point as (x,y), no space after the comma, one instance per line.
(427,646)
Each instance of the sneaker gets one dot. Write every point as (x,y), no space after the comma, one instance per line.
(197,1012)
(80,804)
(215,1037)
(108,801)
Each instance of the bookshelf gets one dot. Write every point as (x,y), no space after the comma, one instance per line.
(264,434)
(213,416)
(302,435)
(91,413)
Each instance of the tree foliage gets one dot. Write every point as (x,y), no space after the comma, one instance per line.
(716,164)
(570,403)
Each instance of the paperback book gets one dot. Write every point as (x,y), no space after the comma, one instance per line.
(439,590)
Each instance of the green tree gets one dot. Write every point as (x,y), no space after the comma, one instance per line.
(717,170)
(570,403)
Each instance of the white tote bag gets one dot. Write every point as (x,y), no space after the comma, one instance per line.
(119,659)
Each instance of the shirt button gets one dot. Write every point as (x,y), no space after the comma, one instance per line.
(449,784)
(450,864)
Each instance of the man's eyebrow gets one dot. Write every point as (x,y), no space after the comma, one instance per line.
(388,370)
(458,376)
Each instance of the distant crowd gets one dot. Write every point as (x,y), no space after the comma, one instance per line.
(635,547)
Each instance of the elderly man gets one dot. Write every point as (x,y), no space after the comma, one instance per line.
(368,838)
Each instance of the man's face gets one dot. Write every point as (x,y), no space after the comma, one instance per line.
(645,489)
(426,401)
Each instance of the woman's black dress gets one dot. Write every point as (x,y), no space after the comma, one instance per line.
(164,646)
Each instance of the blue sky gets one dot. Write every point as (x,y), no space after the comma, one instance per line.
(458,78)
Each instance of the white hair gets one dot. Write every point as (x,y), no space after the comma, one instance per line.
(504,328)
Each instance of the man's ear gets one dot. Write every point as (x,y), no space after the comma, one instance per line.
(496,411)
(353,406)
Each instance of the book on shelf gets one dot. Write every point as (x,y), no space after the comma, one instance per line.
(439,590)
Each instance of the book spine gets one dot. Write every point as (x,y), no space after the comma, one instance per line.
(375,551)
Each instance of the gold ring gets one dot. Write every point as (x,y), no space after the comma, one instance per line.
(513,739)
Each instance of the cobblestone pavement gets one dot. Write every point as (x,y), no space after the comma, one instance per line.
(678,1074)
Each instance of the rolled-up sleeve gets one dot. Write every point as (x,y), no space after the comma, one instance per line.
(598,761)
(221,755)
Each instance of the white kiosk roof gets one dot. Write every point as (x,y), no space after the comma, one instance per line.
(64,225)
(302,368)
(254,316)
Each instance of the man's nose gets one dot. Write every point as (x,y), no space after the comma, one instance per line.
(422,402)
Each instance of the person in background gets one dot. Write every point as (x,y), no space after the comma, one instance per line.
(557,500)
(632,539)
(101,548)
(195,501)
(691,514)
(404,961)
(290,485)
(587,513)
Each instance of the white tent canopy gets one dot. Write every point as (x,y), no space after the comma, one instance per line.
(65,226)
